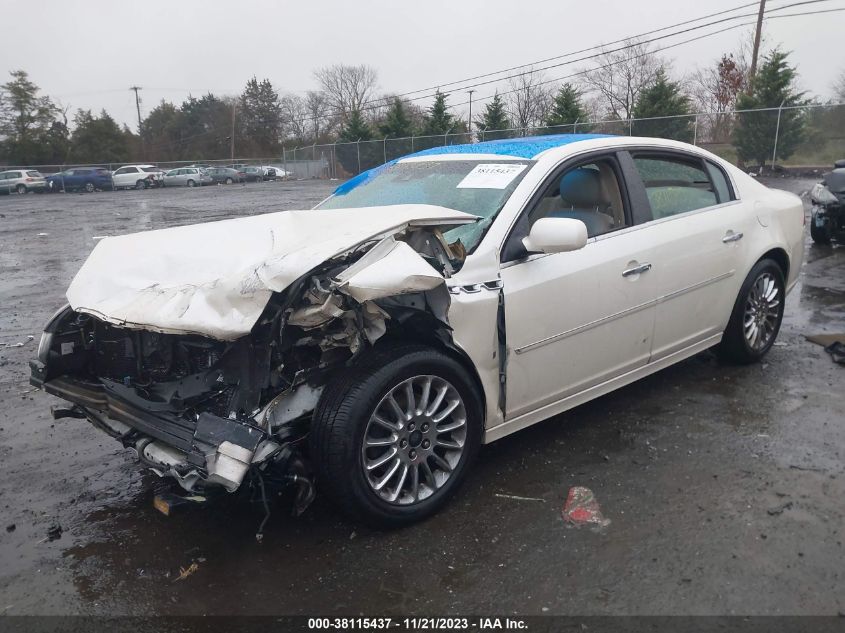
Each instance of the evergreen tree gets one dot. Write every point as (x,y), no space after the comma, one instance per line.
(356,157)
(566,111)
(161,132)
(259,118)
(663,98)
(396,123)
(494,120)
(25,118)
(438,120)
(355,129)
(773,86)
(98,139)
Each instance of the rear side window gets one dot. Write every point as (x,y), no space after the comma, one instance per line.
(150,170)
(720,182)
(675,185)
(34,174)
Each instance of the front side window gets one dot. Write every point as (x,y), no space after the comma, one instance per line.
(675,185)
(590,193)
(478,187)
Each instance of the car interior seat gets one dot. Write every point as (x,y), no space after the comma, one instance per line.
(583,199)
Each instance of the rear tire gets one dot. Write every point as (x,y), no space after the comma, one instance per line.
(355,426)
(757,315)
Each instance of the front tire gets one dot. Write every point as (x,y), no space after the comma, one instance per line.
(229,181)
(393,437)
(89,187)
(21,189)
(757,315)
(141,184)
(191,183)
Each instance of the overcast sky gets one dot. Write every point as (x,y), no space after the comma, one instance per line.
(87,53)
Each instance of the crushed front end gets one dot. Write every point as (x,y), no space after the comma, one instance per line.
(214,412)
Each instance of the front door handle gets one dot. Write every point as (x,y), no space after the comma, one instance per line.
(636,270)
(732,237)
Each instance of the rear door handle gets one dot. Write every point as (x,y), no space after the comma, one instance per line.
(636,270)
(732,237)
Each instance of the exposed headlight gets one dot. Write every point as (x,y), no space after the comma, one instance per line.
(822,195)
(44,346)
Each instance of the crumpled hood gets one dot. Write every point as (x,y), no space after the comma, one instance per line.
(216,278)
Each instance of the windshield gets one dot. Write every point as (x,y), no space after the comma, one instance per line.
(479,187)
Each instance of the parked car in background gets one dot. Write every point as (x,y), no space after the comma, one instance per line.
(88,179)
(22,181)
(226,175)
(430,305)
(137,177)
(270,173)
(253,174)
(238,166)
(186,177)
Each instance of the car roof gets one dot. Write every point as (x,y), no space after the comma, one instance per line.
(552,147)
(527,147)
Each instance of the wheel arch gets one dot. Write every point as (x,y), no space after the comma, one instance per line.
(780,257)
(439,338)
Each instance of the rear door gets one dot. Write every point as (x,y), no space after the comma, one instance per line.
(697,227)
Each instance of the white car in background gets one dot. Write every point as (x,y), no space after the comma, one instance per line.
(430,305)
(186,177)
(137,177)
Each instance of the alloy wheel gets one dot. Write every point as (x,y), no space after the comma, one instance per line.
(414,440)
(762,310)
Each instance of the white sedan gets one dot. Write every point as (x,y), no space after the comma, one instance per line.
(137,177)
(430,305)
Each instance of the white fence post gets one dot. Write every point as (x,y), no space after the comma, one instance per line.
(777,131)
(695,131)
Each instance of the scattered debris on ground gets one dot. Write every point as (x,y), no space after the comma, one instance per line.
(54,532)
(518,498)
(582,508)
(184,572)
(834,344)
(21,343)
(779,509)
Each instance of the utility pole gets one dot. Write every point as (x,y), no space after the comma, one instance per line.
(757,35)
(234,107)
(469,92)
(137,104)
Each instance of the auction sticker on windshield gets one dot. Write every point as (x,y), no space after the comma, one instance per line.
(491,176)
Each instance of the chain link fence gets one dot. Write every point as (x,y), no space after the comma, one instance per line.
(802,137)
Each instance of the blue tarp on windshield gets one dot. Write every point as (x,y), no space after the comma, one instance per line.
(527,147)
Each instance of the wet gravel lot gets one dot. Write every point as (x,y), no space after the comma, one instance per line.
(725,486)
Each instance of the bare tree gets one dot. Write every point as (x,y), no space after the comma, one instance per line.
(839,87)
(295,117)
(317,105)
(347,88)
(620,76)
(529,99)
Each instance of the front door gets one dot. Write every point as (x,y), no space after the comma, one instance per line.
(574,320)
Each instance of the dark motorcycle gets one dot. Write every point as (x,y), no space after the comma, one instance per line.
(828,198)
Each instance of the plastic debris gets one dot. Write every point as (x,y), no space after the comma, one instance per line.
(11,527)
(779,509)
(581,508)
(184,572)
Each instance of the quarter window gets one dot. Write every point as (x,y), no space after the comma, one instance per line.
(720,182)
(675,185)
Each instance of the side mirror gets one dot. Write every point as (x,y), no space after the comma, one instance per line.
(556,235)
